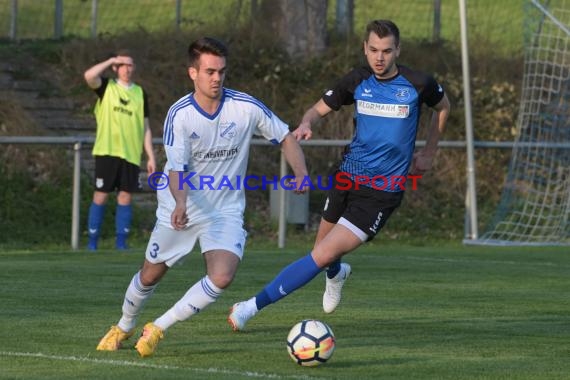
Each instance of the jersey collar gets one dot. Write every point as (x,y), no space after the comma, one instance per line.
(204,113)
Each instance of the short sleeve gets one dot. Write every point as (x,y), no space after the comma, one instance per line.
(100,91)
(177,145)
(342,93)
(146,111)
(433,92)
(270,126)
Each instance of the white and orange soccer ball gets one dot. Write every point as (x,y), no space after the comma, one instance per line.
(310,343)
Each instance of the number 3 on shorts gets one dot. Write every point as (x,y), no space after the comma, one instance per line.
(154,250)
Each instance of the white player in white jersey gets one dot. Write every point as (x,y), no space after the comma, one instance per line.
(219,148)
(207,136)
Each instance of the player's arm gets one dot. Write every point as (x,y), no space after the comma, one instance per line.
(341,94)
(93,74)
(148,148)
(177,156)
(296,159)
(178,218)
(311,116)
(423,159)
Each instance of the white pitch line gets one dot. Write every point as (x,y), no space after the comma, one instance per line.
(126,363)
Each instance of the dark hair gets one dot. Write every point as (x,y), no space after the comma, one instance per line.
(383,28)
(122,53)
(205,45)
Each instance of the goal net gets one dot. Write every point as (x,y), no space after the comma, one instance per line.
(535,203)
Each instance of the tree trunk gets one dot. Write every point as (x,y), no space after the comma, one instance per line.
(301,25)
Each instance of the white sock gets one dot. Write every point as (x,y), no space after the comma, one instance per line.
(197,298)
(135,297)
(252,305)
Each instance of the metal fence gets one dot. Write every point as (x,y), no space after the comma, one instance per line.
(79,142)
(489,21)
(494,28)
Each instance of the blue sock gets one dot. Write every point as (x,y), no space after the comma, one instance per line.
(333,269)
(288,280)
(123,219)
(94,222)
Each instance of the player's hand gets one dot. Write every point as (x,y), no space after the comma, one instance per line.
(303,132)
(179,218)
(422,162)
(150,165)
(120,60)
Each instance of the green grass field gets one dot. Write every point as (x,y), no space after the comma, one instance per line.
(409,312)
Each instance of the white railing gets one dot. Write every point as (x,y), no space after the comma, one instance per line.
(78,141)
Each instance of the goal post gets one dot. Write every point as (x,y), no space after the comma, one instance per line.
(534,208)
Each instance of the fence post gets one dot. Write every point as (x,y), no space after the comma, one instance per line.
(178,14)
(76,195)
(344,17)
(93,18)
(58,19)
(282,204)
(436,21)
(14,21)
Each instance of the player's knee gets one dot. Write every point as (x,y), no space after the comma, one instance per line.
(221,280)
(323,258)
(124,198)
(100,198)
(150,278)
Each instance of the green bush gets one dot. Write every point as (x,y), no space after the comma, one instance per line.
(289,87)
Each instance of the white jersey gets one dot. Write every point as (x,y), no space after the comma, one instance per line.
(211,153)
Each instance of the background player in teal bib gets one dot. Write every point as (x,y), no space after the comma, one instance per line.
(387,100)
(123,130)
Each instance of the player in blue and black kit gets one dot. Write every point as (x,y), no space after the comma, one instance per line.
(369,187)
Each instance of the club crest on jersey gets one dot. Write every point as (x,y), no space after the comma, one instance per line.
(402,94)
(228,130)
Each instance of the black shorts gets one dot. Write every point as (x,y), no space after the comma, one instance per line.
(364,207)
(114,173)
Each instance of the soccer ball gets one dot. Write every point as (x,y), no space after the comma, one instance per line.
(310,343)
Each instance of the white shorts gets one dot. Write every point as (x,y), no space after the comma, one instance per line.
(166,245)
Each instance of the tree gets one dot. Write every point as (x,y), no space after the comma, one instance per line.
(301,25)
